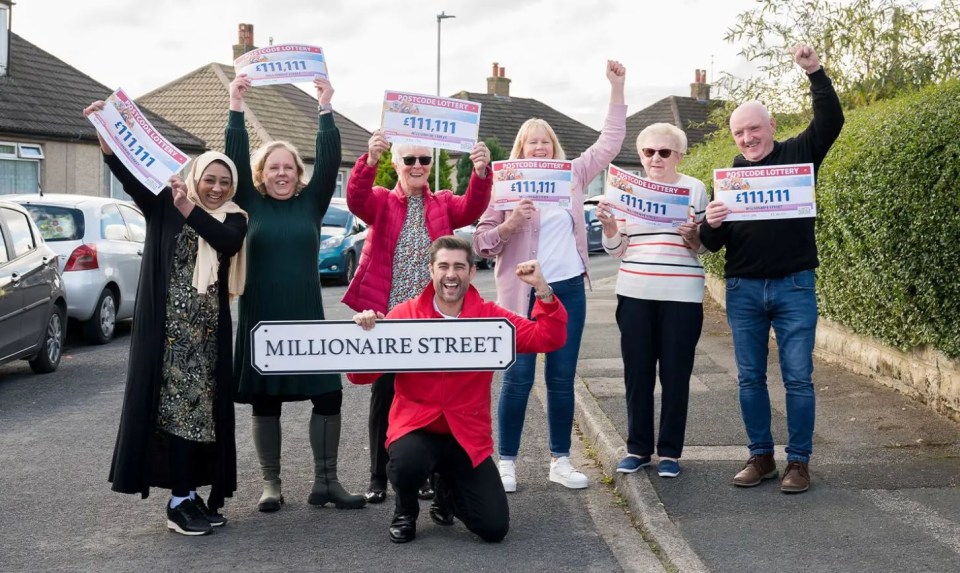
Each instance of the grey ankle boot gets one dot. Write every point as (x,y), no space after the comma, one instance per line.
(266,439)
(325,442)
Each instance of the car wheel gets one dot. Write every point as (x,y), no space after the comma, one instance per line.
(99,329)
(52,348)
(349,268)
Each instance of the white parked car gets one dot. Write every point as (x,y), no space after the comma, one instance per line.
(100,244)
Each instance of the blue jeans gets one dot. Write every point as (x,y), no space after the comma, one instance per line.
(560,368)
(790,305)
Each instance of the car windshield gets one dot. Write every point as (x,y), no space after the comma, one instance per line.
(57,223)
(336,218)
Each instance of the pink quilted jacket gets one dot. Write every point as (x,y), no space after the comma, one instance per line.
(384,210)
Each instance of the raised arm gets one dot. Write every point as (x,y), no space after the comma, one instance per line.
(547,330)
(596,158)
(362,198)
(237,143)
(323,182)
(467,208)
(828,119)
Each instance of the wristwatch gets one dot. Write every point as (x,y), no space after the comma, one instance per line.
(324,107)
(545,294)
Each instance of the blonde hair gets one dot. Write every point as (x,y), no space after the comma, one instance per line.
(529,126)
(260,159)
(667,129)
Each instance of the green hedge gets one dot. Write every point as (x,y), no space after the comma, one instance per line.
(888,229)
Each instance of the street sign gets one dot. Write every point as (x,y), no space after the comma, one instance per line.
(429,345)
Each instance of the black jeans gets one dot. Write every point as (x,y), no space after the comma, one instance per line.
(475,494)
(656,332)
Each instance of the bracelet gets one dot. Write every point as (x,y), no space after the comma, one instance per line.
(546,294)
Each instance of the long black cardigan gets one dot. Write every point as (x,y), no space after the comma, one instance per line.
(140,458)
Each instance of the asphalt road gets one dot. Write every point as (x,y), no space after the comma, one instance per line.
(57,511)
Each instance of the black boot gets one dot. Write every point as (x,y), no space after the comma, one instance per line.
(266,440)
(441,510)
(403,528)
(325,442)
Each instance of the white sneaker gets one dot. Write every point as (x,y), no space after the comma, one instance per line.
(563,473)
(508,475)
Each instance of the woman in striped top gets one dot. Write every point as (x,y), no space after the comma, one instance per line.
(659,306)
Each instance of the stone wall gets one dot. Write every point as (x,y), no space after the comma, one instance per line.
(924,374)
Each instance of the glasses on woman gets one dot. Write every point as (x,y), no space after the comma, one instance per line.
(411,159)
(664,153)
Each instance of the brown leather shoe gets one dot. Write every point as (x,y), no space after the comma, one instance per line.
(796,478)
(758,468)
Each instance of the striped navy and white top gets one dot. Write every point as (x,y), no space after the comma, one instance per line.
(656,263)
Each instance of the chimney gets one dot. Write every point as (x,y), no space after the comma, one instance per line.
(5,19)
(700,89)
(498,83)
(244,41)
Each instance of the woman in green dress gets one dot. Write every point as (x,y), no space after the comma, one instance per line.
(283,283)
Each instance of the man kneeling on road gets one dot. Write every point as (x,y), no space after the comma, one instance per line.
(440,421)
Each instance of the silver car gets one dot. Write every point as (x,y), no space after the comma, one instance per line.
(100,243)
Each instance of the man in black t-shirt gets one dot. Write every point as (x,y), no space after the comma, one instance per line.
(770,280)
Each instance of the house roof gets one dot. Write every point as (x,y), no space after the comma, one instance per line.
(43,96)
(198,102)
(501,117)
(687,113)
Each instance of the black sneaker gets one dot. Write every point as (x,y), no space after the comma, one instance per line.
(187,519)
(215,518)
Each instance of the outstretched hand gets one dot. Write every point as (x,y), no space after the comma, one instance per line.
(238,89)
(376,147)
(806,58)
(324,90)
(616,72)
(90,110)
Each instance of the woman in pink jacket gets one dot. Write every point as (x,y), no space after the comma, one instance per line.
(557,238)
(395,262)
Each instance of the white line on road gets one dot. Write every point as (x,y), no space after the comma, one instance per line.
(917,515)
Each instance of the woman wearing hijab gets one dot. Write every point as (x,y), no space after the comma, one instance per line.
(286,213)
(177,424)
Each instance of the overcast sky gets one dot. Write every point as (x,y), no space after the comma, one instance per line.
(553,50)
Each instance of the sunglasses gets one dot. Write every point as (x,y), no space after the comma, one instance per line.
(664,153)
(411,159)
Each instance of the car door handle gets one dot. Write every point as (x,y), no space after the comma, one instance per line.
(15,278)
(139,252)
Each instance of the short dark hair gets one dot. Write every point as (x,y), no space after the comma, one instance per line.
(451,243)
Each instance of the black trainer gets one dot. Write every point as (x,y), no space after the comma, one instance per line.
(215,518)
(187,519)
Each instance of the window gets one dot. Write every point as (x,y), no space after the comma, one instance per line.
(57,223)
(20,234)
(8,150)
(339,190)
(112,186)
(136,224)
(30,151)
(19,176)
(112,227)
(3,248)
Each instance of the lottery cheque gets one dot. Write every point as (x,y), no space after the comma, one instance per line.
(645,202)
(546,182)
(283,64)
(145,153)
(757,193)
(430,121)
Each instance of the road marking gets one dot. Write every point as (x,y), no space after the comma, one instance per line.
(917,515)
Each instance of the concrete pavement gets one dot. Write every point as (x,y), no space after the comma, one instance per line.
(886,471)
